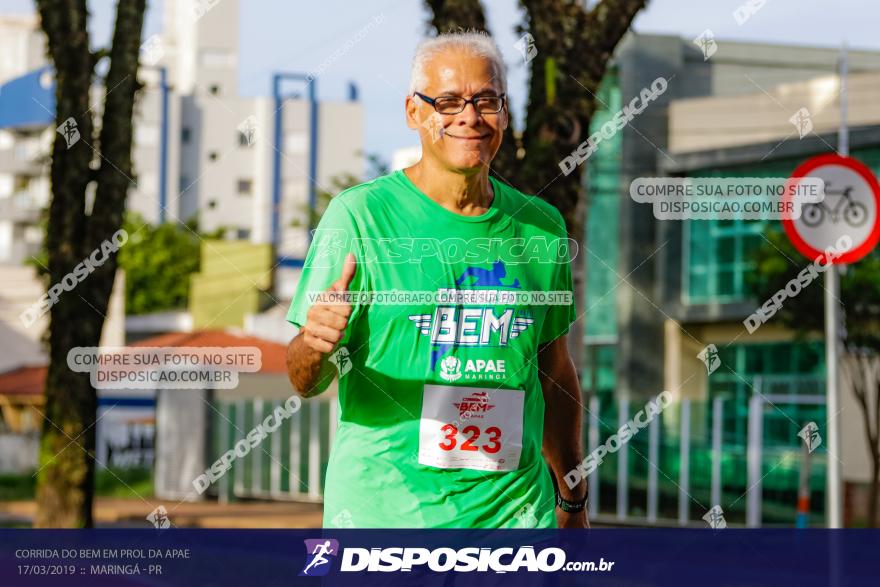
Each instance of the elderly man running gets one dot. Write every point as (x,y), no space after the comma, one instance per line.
(449,406)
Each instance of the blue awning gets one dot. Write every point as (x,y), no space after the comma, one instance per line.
(29,100)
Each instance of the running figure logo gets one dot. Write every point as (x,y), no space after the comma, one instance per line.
(486,277)
(69,132)
(318,552)
(802,122)
(710,358)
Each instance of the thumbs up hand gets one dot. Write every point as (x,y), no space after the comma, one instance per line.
(349,268)
(327,319)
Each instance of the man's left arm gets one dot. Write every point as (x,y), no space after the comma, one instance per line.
(562,424)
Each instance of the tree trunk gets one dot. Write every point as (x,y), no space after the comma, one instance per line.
(65,482)
(875,489)
(872,382)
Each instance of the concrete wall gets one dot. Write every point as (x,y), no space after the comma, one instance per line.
(181,436)
(23,46)
(639,366)
(716,122)
(214,162)
(854,443)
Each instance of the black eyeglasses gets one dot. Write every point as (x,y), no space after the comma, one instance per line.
(456,104)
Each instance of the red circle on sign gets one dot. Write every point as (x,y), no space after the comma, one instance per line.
(860,168)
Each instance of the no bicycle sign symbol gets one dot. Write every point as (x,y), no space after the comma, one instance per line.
(851,208)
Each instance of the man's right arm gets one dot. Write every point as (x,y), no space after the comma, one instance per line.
(309,370)
(308,365)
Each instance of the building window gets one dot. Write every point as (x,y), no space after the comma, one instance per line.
(245,186)
(599,376)
(719,255)
(778,369)
(243,233)
(212,204)
(213,155)
(184,183)
(214,89)
(185,134)
(787,372)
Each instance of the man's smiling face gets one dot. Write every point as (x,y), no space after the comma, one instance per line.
(466,141)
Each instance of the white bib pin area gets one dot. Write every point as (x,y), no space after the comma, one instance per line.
(471,428)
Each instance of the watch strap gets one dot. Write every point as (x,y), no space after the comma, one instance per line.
(571,507)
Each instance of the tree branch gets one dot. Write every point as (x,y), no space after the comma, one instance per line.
(64,23)
(452,15)
(610,19)
(115,174)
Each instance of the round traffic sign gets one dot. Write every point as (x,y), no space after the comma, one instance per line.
(851,208)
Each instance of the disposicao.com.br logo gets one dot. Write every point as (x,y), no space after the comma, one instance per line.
(440,560)
(318,553)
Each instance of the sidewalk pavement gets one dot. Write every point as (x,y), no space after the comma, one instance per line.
(208,514)
(132,513)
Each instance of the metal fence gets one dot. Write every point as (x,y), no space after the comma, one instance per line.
(693,456)
(290,464)
(690,457)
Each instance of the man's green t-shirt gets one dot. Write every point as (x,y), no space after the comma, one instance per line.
(441,412)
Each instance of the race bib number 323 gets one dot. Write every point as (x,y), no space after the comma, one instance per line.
(471,428)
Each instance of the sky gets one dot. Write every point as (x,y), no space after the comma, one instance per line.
(294,35)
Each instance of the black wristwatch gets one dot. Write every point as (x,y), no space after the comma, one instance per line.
(571,507)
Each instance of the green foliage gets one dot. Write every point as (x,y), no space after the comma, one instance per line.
(123,483)
(323,196)
(136,483)
(777,262)
(40,261)
(158,261)
(16,487)
(550,80)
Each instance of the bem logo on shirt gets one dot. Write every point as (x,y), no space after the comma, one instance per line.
(477,325)
(471,326)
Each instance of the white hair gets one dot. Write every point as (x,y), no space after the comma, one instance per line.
(474,42)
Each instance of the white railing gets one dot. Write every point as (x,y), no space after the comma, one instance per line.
(297,452)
